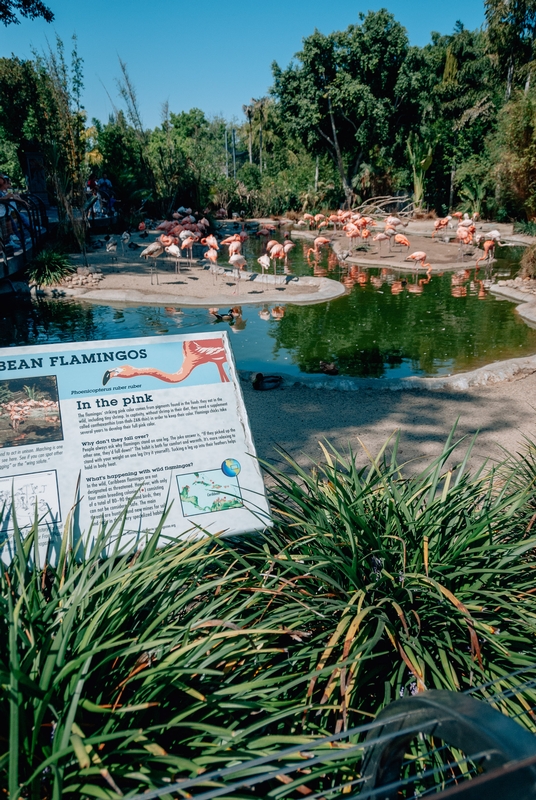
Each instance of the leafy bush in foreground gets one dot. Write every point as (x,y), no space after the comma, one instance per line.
(49,267)
(124,673)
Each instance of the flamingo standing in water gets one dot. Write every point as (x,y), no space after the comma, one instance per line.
(287,247)
(206,351)
(319,242)
(489,251)
(277,251)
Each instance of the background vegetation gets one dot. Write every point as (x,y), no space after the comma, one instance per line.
(357,113)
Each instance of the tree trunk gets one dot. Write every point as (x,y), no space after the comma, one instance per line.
(340,164)
(260,146)
(509,78)
(316,175)
(250,144)
(452,177)
(226,155)
(234,154)
(527,82)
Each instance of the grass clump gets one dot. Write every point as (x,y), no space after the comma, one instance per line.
(125,673)
(49,267)
(528,227)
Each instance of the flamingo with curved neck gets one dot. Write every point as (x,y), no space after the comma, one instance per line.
(207,351)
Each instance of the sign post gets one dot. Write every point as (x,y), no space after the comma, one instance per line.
(161,418)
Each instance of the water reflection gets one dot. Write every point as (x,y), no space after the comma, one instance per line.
(390,323)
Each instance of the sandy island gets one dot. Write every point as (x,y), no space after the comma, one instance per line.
(127,278)
(497,401)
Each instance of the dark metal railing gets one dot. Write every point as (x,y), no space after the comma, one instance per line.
(25,217)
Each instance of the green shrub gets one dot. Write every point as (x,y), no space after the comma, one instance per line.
(528,228)
(153,665)
(49,267)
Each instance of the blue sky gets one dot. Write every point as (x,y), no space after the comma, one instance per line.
(212,55)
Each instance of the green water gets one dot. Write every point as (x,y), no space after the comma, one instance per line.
(380,329)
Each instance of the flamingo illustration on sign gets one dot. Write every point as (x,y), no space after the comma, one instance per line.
(206,351)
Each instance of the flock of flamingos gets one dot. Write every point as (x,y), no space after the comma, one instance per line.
(179,235)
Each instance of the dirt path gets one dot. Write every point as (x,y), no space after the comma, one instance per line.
(298,418)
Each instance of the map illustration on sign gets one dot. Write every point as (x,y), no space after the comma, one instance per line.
(211,490)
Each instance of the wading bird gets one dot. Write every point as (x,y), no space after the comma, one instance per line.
(440,224)
(111,247)
(211,255)
(402,240)
(151,251)
(489,251)
(382,237)
(125,239)
(319,242)
(418,257)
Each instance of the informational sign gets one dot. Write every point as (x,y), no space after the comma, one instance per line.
(156,421)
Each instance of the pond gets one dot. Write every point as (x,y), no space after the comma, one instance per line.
(388,325)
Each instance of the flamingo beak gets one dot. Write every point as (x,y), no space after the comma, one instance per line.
(106,377)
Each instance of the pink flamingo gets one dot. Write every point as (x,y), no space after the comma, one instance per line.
(402,240)
(207,351)
(489,251)
(381,237)
(187,244)
(234,248)
(418,256)
(211,255)
(319,242)
(439,224)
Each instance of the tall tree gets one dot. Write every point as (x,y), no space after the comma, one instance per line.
(512,33)
(338,96)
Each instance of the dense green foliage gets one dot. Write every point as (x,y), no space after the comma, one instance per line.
(151,665)
(357,113)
